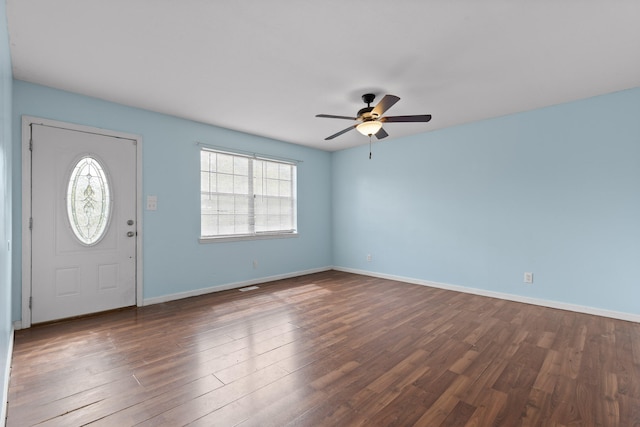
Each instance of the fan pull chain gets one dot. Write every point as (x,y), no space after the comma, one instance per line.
(369,147)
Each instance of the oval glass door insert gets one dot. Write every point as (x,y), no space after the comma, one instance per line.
(88,201)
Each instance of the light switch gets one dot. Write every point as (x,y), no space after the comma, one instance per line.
(152,203)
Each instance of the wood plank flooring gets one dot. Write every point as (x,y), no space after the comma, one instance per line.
(329,349)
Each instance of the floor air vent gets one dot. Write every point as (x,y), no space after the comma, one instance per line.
(248,288)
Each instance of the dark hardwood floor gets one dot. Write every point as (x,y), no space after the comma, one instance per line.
(329,349)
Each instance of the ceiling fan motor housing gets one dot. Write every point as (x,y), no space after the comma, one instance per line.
(365,113)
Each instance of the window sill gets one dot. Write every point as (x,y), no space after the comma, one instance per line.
(247,237)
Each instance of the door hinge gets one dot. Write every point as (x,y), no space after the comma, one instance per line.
(31,223)
(31,144)
(30,302)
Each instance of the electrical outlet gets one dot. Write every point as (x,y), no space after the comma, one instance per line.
(368,257)
(528,277)
(255,264)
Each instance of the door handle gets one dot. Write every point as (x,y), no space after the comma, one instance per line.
(131,233)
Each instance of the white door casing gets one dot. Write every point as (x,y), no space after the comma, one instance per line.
(68,276)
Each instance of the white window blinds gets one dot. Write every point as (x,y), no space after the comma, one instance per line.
(246,196)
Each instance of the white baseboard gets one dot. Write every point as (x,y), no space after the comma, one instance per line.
(5,385)
(509,297)
(227,286)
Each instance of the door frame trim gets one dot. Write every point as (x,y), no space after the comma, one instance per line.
(27,121)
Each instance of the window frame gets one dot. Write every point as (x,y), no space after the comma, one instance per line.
(252,195)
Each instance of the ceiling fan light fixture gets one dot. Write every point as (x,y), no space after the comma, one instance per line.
(370,127)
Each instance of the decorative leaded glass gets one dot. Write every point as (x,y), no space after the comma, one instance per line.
(88,201)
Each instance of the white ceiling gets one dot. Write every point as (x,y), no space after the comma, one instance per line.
(267,67)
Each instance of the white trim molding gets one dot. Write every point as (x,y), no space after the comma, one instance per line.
(500,295)
(227,286)
(7,375)
(27,121)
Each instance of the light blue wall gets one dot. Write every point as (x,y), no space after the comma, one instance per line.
(555,191)
(174,261)
(5,200)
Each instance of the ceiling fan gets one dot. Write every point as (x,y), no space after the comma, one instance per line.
(371,119)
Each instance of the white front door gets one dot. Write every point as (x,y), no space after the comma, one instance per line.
(83,209)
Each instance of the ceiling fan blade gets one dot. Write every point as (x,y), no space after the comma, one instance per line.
(381,134)
(385,103)
(400,119)
(330,116)
(340,133)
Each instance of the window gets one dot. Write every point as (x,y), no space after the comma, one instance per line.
(245,196)
(88,201)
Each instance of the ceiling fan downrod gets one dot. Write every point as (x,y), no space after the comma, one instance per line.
(368,99)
